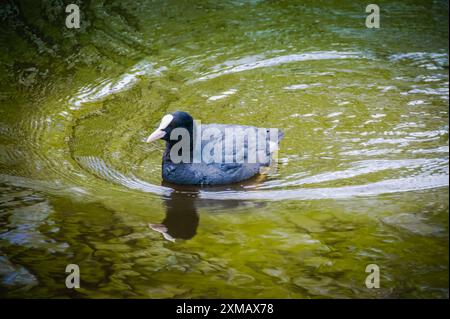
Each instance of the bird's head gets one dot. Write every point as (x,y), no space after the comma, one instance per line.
(170,122)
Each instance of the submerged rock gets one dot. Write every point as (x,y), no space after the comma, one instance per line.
(15,276)
(412,223)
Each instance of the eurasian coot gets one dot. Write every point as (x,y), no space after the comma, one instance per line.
(213,154)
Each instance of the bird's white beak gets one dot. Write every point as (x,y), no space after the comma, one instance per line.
(156,135)
(159,133)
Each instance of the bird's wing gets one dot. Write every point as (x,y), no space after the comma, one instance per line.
(240,143)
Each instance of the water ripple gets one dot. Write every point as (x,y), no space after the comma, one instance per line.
(257,61)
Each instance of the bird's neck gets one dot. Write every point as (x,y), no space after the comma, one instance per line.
(180,147)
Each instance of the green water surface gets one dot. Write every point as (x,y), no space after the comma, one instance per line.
(362,174)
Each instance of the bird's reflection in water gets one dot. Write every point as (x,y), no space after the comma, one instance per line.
(182,218)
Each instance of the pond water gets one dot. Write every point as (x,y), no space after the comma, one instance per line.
(362,176)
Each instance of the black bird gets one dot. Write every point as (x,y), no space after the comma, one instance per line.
(213,154)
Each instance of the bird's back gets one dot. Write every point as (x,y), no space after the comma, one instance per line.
(222,159)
